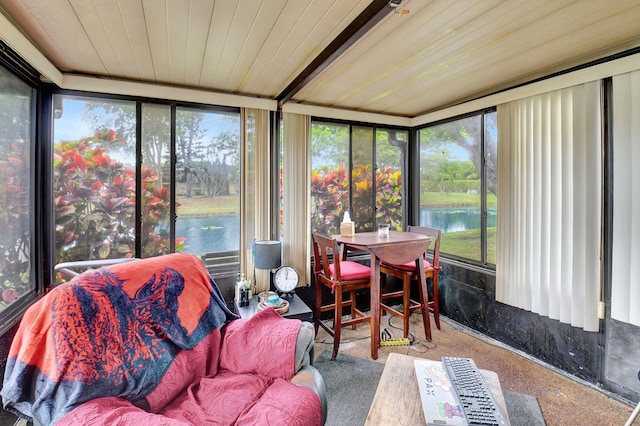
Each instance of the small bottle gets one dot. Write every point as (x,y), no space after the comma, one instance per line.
(244,298)
(238,287)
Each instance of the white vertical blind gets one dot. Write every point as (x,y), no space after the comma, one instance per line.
(549,199)
(296,221)
(256,201)
(625,275)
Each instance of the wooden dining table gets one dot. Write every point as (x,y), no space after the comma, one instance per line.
(397,248)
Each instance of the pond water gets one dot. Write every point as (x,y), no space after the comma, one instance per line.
(222,233)
(455,219)
(209,233)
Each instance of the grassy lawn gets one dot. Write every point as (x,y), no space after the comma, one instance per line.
(463,243)
(453,199)
(467,244)
(208,206)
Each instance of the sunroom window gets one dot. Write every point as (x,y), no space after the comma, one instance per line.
(458,185)
(191,204)
(207,181)
(94,179)
(358,169)
(16,189)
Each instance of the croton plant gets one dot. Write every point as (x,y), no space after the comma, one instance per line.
(94,198)
(330,197)
(14,222)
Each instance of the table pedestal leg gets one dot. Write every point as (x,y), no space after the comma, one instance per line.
(375,305)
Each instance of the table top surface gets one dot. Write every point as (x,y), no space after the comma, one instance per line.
(296,308)
(371,239)
(397,399)
(398,247)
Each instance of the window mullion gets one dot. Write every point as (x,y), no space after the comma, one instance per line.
(483,192)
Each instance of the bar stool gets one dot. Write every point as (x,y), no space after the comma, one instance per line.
(407,273)
(342,277)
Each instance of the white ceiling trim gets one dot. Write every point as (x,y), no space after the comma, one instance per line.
(343,114)
(596,72)
(23,46)
(157,91)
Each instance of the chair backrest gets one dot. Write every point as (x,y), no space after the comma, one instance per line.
(435,237)
(325,250)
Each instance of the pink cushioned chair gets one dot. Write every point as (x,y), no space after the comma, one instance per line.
(342,277)
(407,273)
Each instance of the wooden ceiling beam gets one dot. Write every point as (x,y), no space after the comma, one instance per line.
(368,18)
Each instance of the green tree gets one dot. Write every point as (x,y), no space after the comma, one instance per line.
(329,144)
(222,165)
(467,134)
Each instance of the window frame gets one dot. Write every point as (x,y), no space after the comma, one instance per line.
(483,263)
(406,170)
(21,70)
(139,102)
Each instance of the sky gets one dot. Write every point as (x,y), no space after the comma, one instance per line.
(70,126)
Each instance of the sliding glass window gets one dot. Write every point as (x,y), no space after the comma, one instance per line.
(97,180)
(16,189)
(358,169)
(156,180)
(94,178)
(207,181)
(458,185)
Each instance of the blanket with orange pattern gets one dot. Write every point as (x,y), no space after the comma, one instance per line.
(113,331)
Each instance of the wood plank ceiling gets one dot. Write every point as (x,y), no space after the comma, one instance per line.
(441,53)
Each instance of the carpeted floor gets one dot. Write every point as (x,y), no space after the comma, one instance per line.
(351,384)
(562,400)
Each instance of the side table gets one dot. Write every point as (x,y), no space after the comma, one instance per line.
(297,309)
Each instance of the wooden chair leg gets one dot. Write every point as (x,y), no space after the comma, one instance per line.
(318,310)
(424,307)
(436,305)
(352,297)
(406,304)
(383,290)
(337,321)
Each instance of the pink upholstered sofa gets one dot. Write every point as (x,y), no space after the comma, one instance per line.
(152,342)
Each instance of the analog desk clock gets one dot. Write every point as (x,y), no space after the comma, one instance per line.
(285,280)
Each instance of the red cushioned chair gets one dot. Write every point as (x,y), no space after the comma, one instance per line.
(343,277)
(407,273)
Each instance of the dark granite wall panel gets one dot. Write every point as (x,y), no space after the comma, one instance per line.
(622,359)
(468,297)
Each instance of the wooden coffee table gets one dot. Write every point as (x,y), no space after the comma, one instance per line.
(397,399)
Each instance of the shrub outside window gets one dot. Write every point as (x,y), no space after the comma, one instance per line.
(358,169)
(156,179)
(94,179)
(16,109)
